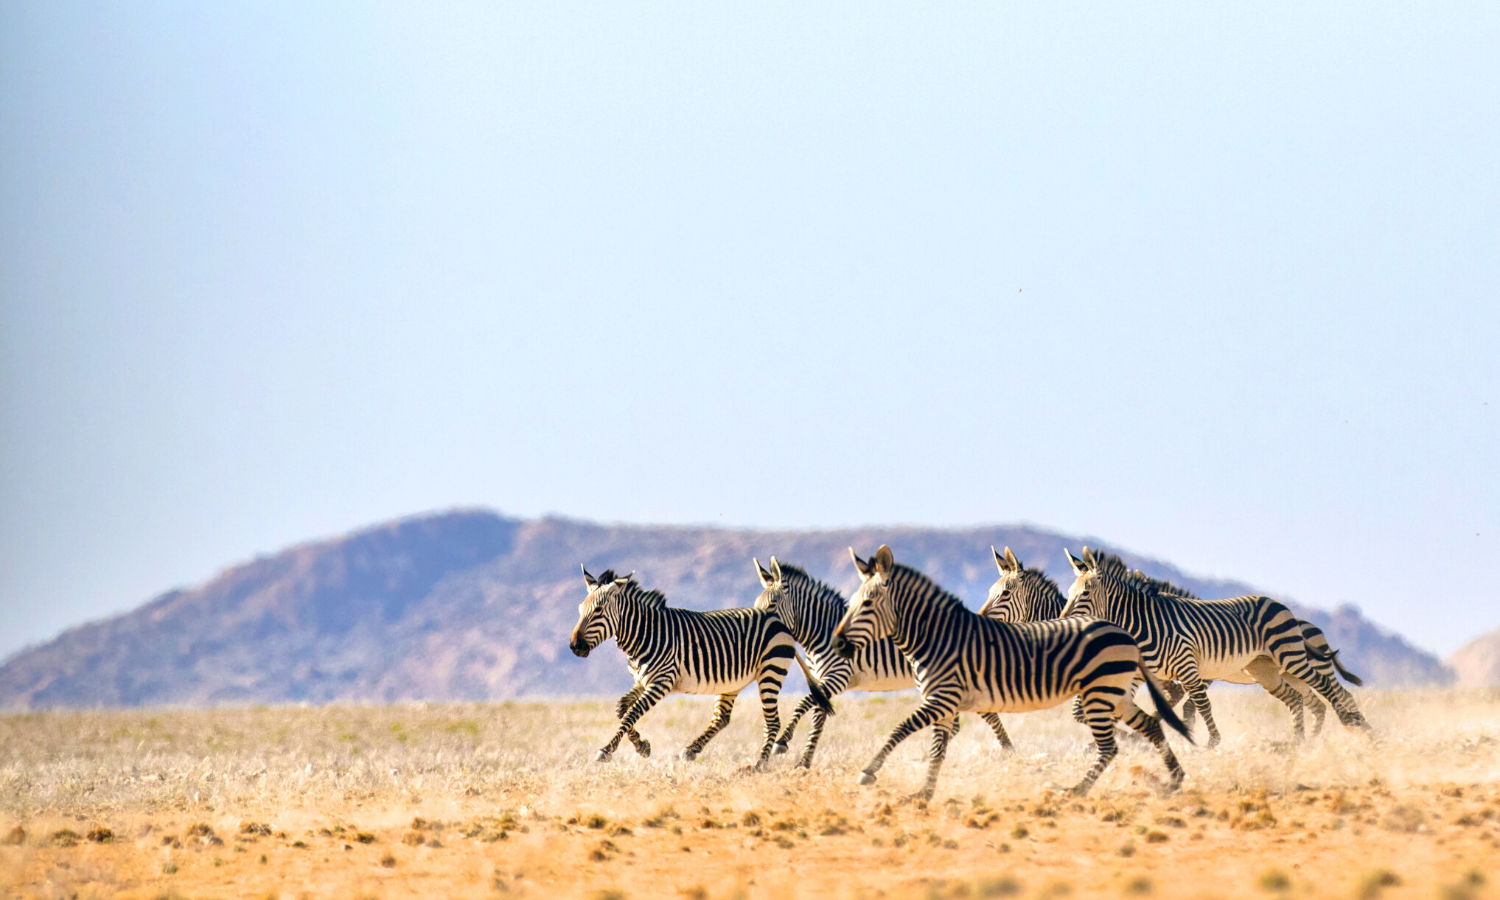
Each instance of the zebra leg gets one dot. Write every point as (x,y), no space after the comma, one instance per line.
(722,710)
(814,734)
(772,674)
(642,746)
(1100,716)
(1078,710)
(650,695)
(1319,711)
(791,725)
(1298,665)
(942,733)
(1150,728)
(1340,699)
(1269,676)
(993,720)
(1293,700)
(930,711)
(1198,691)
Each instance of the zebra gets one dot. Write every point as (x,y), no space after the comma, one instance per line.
(1028,595)
(964,661)
(811,609)
(1194,641)
(687,652)
(1322,656)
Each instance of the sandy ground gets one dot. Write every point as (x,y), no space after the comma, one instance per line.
(483,801)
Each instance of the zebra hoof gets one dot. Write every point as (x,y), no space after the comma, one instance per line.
(644,749)
(689,755)
(603,756)
(779,749)
(866,777)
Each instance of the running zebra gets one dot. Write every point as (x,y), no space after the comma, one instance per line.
(683,651)
(811,609)
(964,661)
(1320,654)
(1028,595)
(1195,641)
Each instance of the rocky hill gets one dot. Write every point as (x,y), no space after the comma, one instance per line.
(1477,663)
(470,605)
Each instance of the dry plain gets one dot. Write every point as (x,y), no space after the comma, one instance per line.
(504,800)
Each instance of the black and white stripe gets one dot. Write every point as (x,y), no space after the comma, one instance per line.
(1196,641)
(964,661)
(682,651)
(811,609)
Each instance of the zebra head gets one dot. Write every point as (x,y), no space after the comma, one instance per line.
(871,615)
(595,619)
(1088,595)
(1021,594)
(776,594)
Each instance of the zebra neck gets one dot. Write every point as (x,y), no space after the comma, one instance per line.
(817,616)
(634,631)
(913,643)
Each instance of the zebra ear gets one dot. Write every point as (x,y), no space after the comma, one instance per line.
(1090,559)
(1012,563)
(775,569)
(1078,565)
(999,560)
(624,580)
(865,569)
(587,578)
(884,561)
(766,578)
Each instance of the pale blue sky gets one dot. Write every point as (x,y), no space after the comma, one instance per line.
(1216,283)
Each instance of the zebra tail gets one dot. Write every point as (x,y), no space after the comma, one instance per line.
(815,687)
(1163,706)
(1334,658)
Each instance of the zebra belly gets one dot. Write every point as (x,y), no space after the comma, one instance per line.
(987,700)
(1231,669)
(873,681)
(692,684)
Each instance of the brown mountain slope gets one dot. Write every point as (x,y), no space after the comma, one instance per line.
(1477,663)
(470,605)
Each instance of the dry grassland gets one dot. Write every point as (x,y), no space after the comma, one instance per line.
(504,800)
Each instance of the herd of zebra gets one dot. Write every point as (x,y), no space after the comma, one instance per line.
(1029,647)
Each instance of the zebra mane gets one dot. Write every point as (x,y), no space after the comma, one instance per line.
(1043,577)
(1161,586)
(939,595)
(1112,566)
(633,589)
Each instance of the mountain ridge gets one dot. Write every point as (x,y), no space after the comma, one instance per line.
(471,605)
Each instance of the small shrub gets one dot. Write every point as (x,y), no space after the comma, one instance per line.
(1019,832)
(1000,886)
(388,860)
(1127,848)
(64,837)
(1140,886)
(1273,880)
(169,868)
(596,821)
(16,836)
(101,835)
(1372,884)
(364,837)
(1155,836)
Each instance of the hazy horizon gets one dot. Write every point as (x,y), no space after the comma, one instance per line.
(1214,284)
